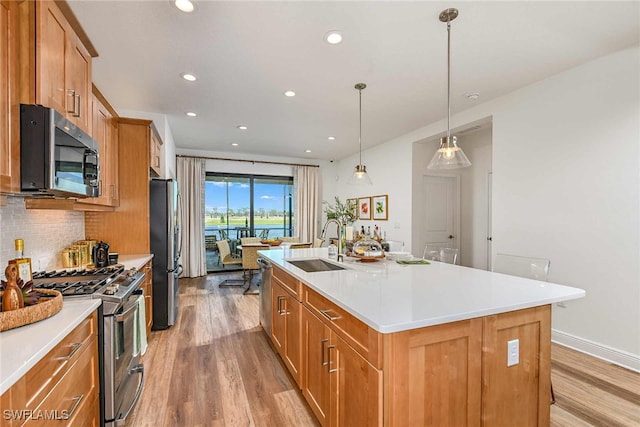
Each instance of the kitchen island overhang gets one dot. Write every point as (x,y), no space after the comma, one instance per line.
(390,297)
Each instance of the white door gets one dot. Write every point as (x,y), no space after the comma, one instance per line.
(442,211)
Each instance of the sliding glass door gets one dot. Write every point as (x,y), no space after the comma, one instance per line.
(244,206)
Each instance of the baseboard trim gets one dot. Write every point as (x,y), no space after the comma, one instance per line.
(617,357)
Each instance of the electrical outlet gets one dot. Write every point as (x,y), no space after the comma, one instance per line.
(513,352)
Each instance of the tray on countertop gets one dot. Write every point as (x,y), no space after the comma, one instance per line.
(32,313)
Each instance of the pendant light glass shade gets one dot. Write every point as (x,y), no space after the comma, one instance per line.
(360,176)
(449,155)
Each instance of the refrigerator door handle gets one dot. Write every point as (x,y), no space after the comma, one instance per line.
(177,271)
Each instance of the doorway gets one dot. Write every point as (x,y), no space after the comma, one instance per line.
(442,211)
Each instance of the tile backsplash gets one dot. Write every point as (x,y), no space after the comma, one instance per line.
(45,233)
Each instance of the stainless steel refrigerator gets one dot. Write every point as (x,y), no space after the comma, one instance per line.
(165,246)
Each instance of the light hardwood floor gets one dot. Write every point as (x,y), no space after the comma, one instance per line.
(216,368)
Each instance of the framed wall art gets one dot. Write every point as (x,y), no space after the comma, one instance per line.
(364,207)
(379,207)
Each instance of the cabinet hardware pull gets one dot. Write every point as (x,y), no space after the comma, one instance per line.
(329,362)
(326,314)
(322,343)
(72,93)
(74,349)
(76,111)
(77,399)
(281,312)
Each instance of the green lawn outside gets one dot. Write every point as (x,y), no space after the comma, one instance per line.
(239,221)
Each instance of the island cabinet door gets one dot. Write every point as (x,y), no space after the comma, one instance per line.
(433,375)
(518,391)
(356,387)
(315,381)
(286,327)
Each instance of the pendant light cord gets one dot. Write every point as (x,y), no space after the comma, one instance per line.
(448,81)
(360,135)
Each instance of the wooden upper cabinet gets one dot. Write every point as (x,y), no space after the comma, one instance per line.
(105,132)
(155,167)
(16,62)
(63,66)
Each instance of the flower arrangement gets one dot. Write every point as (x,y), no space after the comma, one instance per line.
(343,212)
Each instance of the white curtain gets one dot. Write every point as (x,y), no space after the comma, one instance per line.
(191,178)
(306,205)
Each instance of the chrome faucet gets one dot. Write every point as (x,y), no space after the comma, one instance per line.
(324,232)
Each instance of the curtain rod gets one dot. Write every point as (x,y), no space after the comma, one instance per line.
(247,161)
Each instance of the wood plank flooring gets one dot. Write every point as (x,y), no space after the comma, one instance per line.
(215,367)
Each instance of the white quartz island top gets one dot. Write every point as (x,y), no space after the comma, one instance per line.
(21,348)
(391,297)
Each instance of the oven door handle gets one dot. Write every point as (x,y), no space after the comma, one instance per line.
(121,422)
(120,317)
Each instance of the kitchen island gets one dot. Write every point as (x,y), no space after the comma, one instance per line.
(396,345)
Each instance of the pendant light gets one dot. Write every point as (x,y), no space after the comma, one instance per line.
(360,176)
(449,155)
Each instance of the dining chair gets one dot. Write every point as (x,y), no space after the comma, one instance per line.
(223,235)
(248,240)
(264,234)
(250,264)
(449,255)
(211,244)
(318,242)
(300,245)
(228,259)
(515,265)
(294,239)
(527,267)
(442,254)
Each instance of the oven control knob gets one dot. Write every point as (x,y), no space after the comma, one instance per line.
(111,289)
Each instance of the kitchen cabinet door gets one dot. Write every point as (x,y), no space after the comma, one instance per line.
(104,132)
(63,73)
(147,288)
(155,168)
(356,397)
(285,328)
(316,380)
(15,87)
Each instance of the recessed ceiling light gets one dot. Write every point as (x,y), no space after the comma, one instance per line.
(472,96)
(191,114)
(235,144)
(289,93)
(331,138)
(307,151)
(184,5)
(188,77)
(242,127)
(333,37)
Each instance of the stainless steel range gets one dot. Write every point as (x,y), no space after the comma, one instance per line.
(119,290)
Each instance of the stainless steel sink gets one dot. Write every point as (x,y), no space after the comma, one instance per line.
(314,265)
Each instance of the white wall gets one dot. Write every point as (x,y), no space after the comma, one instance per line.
(389,167)
(566,186)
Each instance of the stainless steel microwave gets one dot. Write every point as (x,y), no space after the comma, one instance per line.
(56,157)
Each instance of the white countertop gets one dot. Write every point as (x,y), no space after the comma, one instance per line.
(21,348)
(391,297)
(134,261)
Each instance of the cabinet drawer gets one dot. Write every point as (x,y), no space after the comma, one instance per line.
(356,333)
(288,282)
(76,392)
(45,374)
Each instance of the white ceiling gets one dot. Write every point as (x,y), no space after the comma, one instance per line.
(246,54)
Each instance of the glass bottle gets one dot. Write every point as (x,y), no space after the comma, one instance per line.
(23,264)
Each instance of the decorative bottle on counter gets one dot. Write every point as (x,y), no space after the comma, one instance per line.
(12,297)
(23,265)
